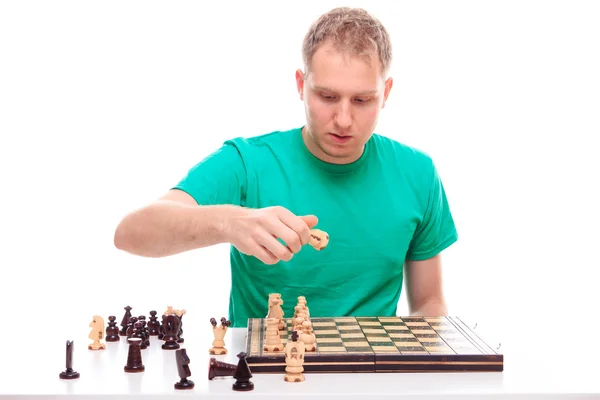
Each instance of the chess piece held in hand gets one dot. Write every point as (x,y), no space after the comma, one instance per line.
(318,239)
(69,373)
(183,369)
(219,332)
(97,333)
(294,358)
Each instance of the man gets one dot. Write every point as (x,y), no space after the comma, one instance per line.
(381,202)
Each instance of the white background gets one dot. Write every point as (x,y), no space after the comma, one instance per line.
(105,105)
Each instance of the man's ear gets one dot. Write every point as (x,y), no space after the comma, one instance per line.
(386,92)
(300,83)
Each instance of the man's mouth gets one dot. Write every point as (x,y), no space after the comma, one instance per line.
(339,138)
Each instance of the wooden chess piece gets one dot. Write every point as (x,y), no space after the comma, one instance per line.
(318,239)
(219,368)
(170,329)
(132,321)
(97,333)
(219,333)
(242,375)
(272,339)
(112,332)
(69,373)
(134,356)
(294,359)
(125,321)
(153,324)
(183,369)
(308,337)
(180,315)
(275,309)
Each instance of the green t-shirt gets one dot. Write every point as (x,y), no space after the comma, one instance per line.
(384,208)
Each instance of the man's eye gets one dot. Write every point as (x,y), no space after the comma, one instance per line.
(327,97)
(359,100)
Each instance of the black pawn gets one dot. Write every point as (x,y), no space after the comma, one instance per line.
(242,375)
(112,332)
(69,373)
(153,324)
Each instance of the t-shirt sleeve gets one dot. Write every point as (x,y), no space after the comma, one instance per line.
(220,178)
(437,230)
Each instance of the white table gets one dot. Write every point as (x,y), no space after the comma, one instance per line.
(538,371)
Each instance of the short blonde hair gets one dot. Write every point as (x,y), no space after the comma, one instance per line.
(352,31)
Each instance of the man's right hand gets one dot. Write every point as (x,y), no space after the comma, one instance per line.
(255,232)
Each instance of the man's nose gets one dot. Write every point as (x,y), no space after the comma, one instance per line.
(343,117)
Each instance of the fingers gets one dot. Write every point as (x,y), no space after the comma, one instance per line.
(310,220)
(274,247)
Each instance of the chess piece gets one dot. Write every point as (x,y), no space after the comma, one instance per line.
(275,309)
(294,359)
(112,332)
(170,330)
(153,324)
(272,339)
(134,356)
(97,333)
(308,337)
(125,321)
(219,368)
(180,315)
(69,373)
(138,332)
(318,239)
(219,333)
(183,369)
(132,321)
(242,375)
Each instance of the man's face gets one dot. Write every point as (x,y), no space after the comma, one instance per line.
(343,97)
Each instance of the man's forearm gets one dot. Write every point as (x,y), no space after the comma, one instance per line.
(167,227)
(433,308)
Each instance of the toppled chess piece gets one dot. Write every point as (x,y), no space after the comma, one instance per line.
(219,333)
(318,239)
(183,368)
(294,359)
(97,333)
(220,368)
(242,375)
(69,373)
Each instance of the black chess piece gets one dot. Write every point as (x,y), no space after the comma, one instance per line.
(134,356)
(220,368)
(153,324)
(170,329)
(112,332)
(132,321)
(183,368)
(69,373)
(125,321)
(180,333)
(242,375)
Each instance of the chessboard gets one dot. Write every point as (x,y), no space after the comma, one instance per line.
(379,344)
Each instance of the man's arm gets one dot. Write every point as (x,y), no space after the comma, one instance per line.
(173,224)
(424,287)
